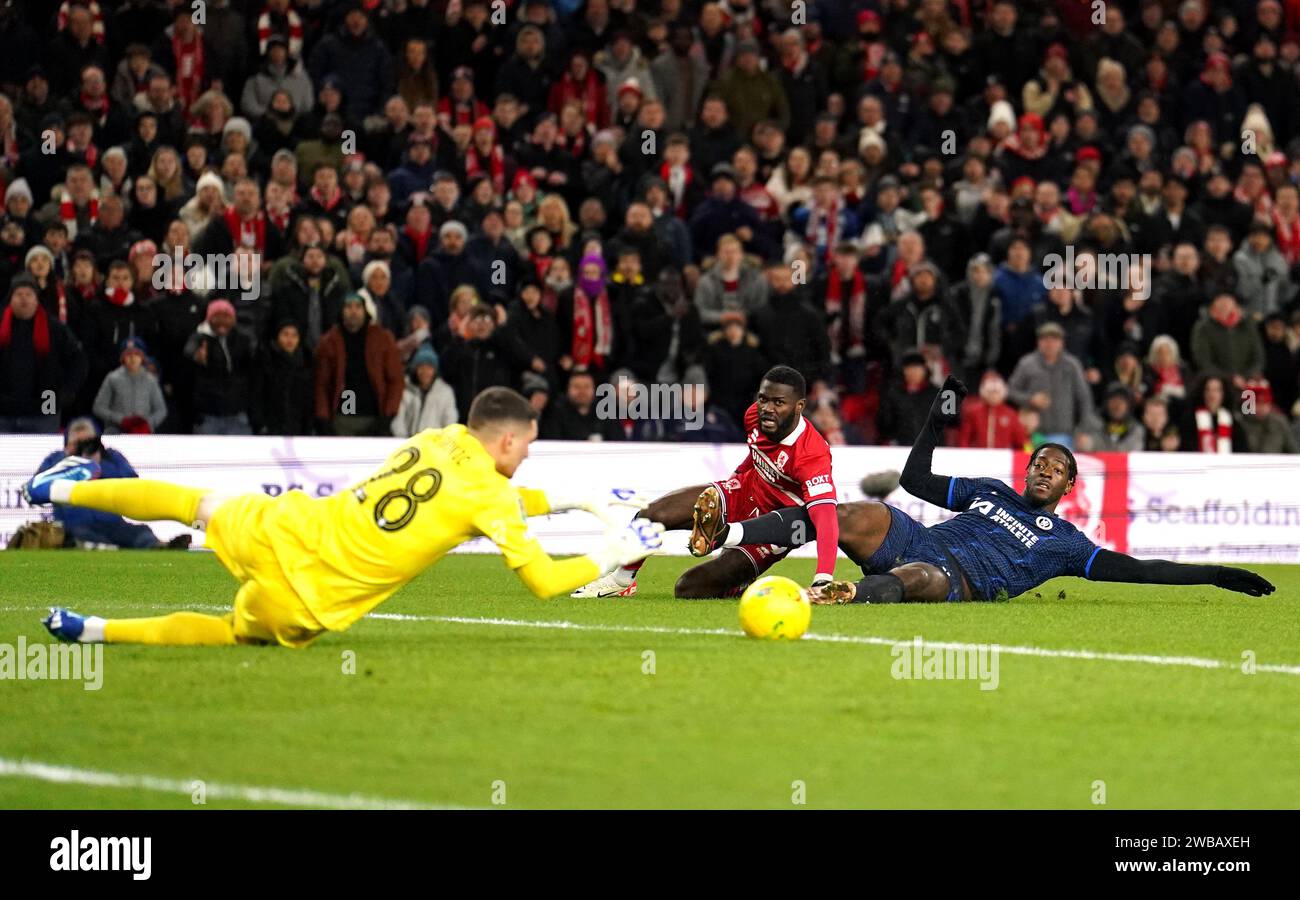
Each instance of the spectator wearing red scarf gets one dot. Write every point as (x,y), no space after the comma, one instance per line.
(460,106)
(41,364)
(684,192)
(583,83)
(586,316)
(242,224)
(484,156)
(1286,222)
(182,53)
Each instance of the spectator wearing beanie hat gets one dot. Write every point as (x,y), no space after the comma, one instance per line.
(59,302)
(38,355)
(283,384)
(385,307)
(904,407)
(129,399)
(222,359)
(19,201)
(358,378)
(428,401)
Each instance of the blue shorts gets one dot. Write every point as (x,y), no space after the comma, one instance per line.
(909,541)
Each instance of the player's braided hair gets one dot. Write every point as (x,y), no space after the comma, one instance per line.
(787,375)
(1069,457)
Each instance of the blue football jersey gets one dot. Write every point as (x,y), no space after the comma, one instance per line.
(1004,544)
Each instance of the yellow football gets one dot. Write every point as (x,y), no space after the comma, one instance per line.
(775,607)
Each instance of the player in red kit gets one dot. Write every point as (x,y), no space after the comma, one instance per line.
(789,465)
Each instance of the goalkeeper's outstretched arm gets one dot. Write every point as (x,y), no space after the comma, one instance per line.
(547,577)
(1108,565)
(917,478)
(601,504)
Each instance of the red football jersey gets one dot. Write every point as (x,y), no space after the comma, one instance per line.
(795,471)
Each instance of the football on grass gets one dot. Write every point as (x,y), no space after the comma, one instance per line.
(775,607)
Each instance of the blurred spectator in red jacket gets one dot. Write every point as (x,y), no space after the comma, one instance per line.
(988,421)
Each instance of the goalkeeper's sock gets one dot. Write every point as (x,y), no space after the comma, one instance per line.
(92,630)
(879,589)
(182,629)
(135,498)
(625,575)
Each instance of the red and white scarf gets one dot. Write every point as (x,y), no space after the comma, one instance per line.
(326,203)
(246,232)
(851,309)
(1214,431)
(590,92)
(90,152)
(189,69)
(823,227)
(575,144)
(119,296)
(873,57)
(265,30)
(451,114)
(279,218)
(678,179)
(757,196)
(11,150)
(495,165)
(1288,237)
(68,213)
(898,273)
(60,299)
(593,328)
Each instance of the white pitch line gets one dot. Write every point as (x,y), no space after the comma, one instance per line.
(1195,662)
(291,797)
(1044,652)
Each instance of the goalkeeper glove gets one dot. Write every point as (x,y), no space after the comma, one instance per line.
(599,504)
(634,541)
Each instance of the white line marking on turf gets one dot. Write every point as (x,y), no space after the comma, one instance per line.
(293,797)
(1045,652)
(1195,662)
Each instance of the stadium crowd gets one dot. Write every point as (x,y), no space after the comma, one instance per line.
(437,196)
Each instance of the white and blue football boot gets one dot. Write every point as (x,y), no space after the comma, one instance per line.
(70,468)
(64,624)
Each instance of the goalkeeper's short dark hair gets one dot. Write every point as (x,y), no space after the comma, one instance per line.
(1069,457)
(498,406)
(787,375)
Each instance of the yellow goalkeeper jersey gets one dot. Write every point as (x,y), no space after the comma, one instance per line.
(345,554)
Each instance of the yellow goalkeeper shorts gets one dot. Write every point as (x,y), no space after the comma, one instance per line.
(267,609)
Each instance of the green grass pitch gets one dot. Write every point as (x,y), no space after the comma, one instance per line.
(464,713)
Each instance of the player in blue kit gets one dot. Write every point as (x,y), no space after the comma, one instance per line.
(1000,544)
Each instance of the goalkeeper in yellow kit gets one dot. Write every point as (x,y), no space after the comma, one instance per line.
(307,566)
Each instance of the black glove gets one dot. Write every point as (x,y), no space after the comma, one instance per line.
(1242,581)
(947,405)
